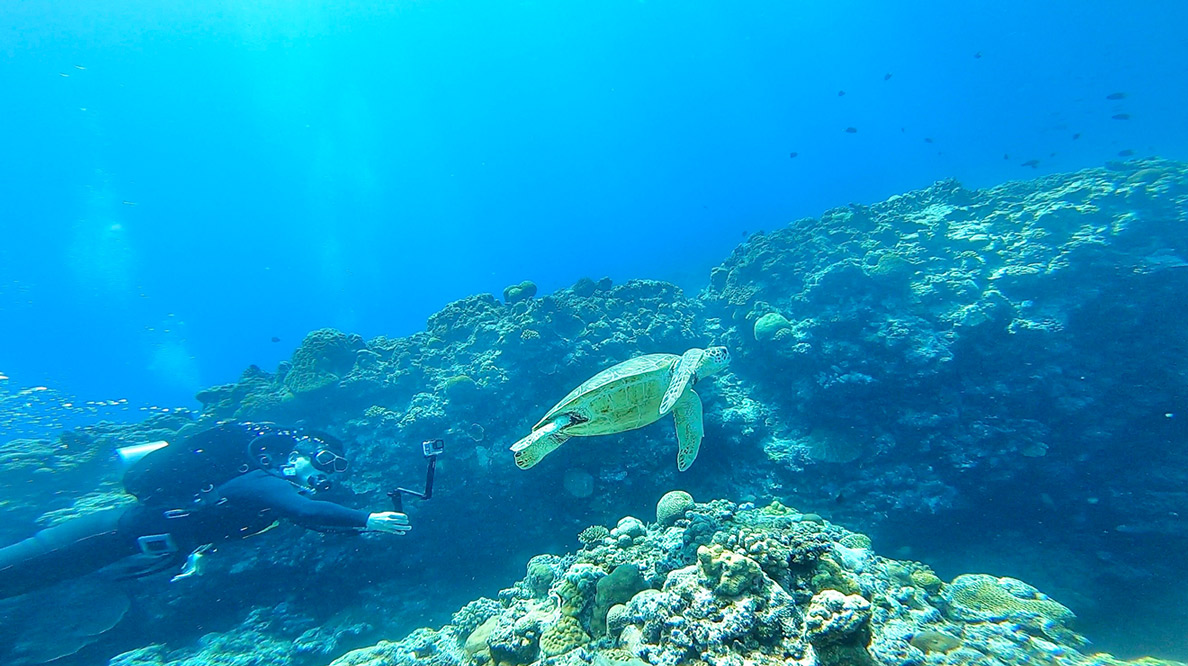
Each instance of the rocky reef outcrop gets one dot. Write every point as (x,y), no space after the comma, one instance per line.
(949,338)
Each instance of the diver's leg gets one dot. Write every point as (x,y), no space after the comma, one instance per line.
(65,551)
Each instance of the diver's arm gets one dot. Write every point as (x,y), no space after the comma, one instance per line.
(279,496)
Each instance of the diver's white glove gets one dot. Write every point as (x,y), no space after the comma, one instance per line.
(194,564)
(388,521)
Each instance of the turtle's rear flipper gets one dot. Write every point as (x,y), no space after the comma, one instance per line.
(538,444)
(682,375)
(689,431)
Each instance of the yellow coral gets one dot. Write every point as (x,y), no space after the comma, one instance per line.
(730,574)
(927,581)
(831,576)
(562,636)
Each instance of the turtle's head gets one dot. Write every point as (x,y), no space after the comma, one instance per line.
(713,360)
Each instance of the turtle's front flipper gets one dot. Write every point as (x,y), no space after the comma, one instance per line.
(682,374)
(538,444)
(689,431)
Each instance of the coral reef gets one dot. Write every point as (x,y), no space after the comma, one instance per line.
(323,357)
(703,603)
(523,291)
(900,367)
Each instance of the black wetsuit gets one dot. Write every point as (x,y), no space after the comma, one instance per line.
(246,504)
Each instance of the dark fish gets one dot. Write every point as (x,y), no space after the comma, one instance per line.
(927,139)
(1006,156)
(1031,163)
(1121,116)
(1125,153)
(275,339)
(1051,154)
(887,77)
(851,130)
(1076,136)
(978,54)
(1118,95)
(793,154)
(841,93)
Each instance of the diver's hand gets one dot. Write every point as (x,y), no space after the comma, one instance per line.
(388,521)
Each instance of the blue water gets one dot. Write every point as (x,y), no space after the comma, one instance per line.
(184,182)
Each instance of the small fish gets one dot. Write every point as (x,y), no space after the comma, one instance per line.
(978,54)
(887,77)
(927,139)
(1076,136)
(3,377)
(1006,156)
(793,154)
(275,339)
(1125,153)
(1121,116)
(128,203)
(64,75)
(841,93)
(79,67)
(1031,163)
(1117,95)
(851,130)
(1051,154)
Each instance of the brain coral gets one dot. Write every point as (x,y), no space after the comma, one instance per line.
(673,506)
(983,598)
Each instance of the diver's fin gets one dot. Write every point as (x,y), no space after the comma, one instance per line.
(141,565)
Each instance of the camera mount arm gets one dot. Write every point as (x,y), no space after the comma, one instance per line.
(431,448)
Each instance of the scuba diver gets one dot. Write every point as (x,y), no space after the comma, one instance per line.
(223,484)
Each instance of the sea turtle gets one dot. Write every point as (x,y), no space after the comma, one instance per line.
(627,396)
